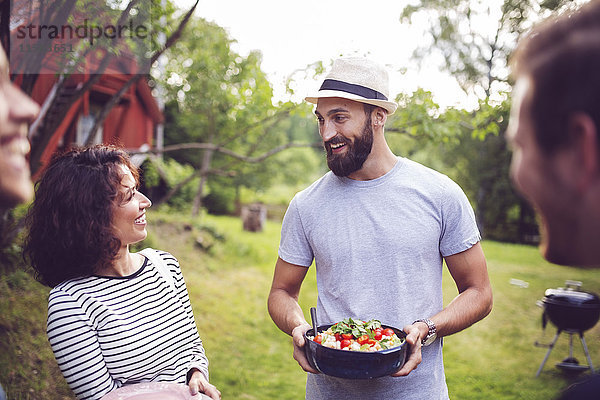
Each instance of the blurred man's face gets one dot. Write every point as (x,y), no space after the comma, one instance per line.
(16,112)
(542,179)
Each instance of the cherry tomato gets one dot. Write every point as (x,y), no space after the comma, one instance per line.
(363,339)
(338,337)
(345,343)
(388,332)
(318,339)
(371,342)
(347,336)
(378,335)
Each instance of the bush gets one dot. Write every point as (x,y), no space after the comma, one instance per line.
(160,176)
(220,200)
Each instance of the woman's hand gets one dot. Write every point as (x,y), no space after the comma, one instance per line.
(199,384)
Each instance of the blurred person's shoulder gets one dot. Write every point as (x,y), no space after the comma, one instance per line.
(586,389)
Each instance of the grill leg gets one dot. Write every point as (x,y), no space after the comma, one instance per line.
(550,347)
(587,353)
(570,345)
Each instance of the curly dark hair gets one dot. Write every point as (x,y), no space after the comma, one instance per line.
(562,58)
(70,231)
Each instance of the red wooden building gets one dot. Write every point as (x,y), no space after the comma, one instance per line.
(131,123)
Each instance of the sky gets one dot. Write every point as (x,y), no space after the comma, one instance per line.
(292,35)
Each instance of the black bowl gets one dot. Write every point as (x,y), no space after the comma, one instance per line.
(355,364)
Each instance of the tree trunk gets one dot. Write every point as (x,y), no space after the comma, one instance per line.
(481,197)
(206,160)
(205,168)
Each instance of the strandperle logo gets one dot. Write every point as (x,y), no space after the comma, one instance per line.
(89,31)
(43,42)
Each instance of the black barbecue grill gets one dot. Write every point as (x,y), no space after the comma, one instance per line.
(572,311)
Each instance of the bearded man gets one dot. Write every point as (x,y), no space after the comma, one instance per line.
(378,228)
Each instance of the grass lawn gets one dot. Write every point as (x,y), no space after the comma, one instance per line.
(251,359)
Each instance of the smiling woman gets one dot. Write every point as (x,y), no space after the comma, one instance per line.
(71,220)
(129,212)
(115,318)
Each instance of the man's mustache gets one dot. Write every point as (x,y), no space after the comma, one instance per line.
(335,140)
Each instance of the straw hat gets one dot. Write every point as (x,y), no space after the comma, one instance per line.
(357,79)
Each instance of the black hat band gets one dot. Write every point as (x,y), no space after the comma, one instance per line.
(367,93)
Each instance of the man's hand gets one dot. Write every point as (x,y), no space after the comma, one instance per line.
(298,340)
(284,309)
(199,384)
(413,337)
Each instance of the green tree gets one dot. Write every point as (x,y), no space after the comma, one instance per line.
(480,161)
(221,103)
(474,39)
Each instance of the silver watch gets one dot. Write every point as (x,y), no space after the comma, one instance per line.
(431,334)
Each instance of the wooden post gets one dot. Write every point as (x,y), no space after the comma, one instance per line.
(254,217)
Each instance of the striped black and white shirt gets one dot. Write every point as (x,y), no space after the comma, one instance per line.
(107,332)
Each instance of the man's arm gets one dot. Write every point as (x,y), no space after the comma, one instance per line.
(474,300)
(473,303)
(284,308)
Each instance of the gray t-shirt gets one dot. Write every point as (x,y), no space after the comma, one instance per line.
(378,248)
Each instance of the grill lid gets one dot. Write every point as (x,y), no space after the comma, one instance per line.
(571,295)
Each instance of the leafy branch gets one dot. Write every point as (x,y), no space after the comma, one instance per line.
(220,149)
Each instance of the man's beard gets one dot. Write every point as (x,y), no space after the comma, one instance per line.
(353,159)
